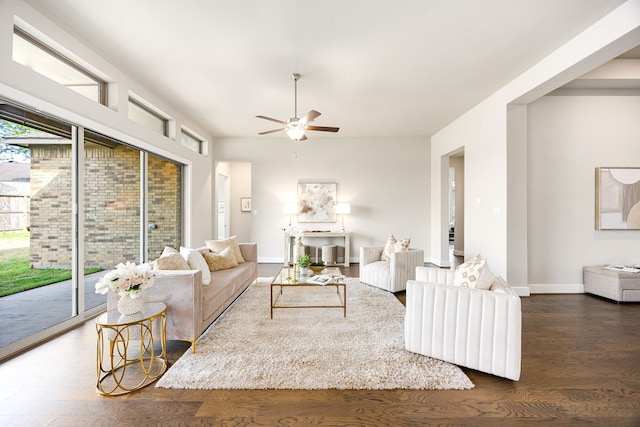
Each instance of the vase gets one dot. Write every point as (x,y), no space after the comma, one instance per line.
(128,305)
(298,249)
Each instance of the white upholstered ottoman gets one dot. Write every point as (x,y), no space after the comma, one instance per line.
(620,286)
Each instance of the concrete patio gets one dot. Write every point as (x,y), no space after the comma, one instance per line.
(26,313)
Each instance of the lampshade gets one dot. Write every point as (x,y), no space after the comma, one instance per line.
(343,208)
(290,209)
(295,133)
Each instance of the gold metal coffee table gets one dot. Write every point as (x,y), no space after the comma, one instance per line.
(131,360)
(286,279)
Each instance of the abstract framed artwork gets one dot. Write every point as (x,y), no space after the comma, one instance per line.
(317,202)
(617,198)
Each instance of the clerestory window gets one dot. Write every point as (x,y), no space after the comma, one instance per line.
(44,60)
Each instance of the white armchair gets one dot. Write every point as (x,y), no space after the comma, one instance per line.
(479,329)
(390,275)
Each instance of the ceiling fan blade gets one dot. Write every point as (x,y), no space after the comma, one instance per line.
(273,120)
(323,128)
(271,131)
(311,115)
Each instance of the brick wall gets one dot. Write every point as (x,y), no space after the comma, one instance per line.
(51,227)
(164,205)
(112,206)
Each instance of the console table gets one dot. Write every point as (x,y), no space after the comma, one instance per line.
(315,237)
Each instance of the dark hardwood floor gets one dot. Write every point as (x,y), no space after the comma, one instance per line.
(580,367)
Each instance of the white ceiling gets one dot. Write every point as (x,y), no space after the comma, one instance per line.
(372,67)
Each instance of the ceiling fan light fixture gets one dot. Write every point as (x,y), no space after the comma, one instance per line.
(296,127)
(295,133)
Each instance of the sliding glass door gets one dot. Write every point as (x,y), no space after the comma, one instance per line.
(164,205)
(37,173)
(112,208)
(58,182)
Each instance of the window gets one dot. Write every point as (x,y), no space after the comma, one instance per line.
(140,113)
(43,60)
(192,142)
(127,204)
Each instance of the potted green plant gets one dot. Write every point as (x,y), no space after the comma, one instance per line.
(303,261)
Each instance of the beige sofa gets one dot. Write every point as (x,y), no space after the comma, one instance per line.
(191,305)
(479,329)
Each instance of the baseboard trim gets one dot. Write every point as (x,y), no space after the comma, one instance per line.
(522,291)
(557,288)
(271,260)
(438,263)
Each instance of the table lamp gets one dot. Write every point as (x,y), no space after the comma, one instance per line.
(290,209)
(343,209)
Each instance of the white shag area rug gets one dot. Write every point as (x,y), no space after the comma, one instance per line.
(311,348)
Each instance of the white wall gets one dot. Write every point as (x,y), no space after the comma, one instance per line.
(385,180)
(240,187)
(482,131)
(569,136)
(32,90)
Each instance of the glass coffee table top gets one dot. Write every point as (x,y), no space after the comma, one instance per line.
(288,278)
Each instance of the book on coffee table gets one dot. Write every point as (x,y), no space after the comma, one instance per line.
(326,279)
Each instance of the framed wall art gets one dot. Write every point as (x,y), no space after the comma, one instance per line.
(617,198)
(245,204)
(317,202)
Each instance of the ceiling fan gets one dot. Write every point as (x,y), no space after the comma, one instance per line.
(296,127)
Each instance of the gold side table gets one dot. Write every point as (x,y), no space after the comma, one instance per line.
(131,361)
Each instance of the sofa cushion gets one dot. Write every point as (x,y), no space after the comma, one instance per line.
(218,246)
(467,274)
(376,272)
(170,259)
(225,283)
(221,261)
(196,261)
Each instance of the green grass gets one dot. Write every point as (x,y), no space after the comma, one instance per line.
(16,274)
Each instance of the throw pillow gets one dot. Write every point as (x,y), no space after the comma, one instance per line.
(221,261)
(486,279)
(389,248)
(393,245)
(468,273)
(403,245)
(197,262)
(170,259)
(218,246)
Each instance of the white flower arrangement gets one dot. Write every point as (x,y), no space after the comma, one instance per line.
(126,279)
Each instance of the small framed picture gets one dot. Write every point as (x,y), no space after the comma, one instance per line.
(245,204)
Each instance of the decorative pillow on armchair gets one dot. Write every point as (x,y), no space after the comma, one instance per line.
(218,246)
(170,259)
(393,245)
(474,273)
